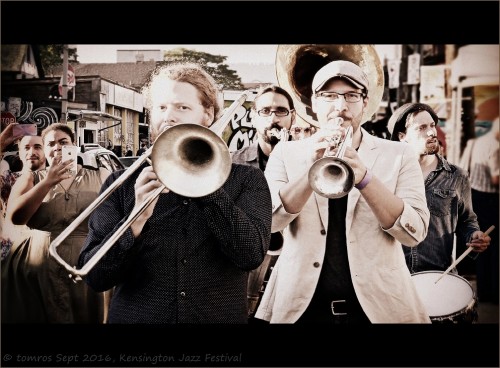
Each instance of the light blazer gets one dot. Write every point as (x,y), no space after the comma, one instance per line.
(379,273)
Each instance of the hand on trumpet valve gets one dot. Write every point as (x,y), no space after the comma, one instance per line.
(282,134)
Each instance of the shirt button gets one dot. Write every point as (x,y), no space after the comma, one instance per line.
(323,232)
(183,294)
(184,261)
(316,264)
(185,201)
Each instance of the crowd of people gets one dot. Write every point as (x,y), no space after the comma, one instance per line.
(265,246)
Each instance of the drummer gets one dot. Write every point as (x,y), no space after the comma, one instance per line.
(448,192)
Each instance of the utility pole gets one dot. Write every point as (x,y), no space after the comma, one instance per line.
(64,100)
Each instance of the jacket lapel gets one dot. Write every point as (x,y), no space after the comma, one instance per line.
(368,153)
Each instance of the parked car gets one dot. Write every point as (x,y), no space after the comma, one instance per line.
(127,161)
(94,156)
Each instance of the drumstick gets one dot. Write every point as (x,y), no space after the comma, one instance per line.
(490,229)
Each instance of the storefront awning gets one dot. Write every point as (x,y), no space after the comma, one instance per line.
(91,115)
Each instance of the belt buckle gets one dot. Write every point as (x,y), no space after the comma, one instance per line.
(333,307)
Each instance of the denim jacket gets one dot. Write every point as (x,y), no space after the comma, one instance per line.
(448,194)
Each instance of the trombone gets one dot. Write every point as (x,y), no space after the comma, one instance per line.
(183,151)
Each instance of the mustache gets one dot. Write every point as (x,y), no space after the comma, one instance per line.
(272,127)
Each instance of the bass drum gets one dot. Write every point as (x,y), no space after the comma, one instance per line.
(451,300)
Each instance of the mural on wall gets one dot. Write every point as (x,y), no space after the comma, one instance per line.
(486,108)
(242,132)
(24,113)
(239,132)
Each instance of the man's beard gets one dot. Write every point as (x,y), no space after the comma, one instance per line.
(34,165)
(272,140)
(431,149)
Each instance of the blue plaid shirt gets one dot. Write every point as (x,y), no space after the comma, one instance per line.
(448,194)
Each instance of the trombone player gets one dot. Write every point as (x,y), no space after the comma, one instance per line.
(183,260)
(341,260)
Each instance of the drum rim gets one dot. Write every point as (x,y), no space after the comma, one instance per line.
(449,273)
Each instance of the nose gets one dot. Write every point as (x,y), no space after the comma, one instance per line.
(274,118)
(169,117)
(340,103)
(430,132)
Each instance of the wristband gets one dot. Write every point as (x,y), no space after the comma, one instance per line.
(366,180)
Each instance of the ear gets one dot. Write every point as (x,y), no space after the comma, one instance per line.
(209,117)
(293,116)
(401,136)
(365,101)
(313,103)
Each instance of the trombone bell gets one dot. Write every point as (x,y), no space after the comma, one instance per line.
(191,160)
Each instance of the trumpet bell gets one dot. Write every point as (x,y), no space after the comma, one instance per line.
(331,177)
(191,160)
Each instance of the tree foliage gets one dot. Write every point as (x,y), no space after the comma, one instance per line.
(51,57)
(213,64)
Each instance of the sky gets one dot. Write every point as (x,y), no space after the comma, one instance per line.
(235,53)
(239,57)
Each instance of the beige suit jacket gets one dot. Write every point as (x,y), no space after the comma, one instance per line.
(379,273)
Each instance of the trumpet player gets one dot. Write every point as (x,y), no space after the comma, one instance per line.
(341,260)
(273,115)
(183,260)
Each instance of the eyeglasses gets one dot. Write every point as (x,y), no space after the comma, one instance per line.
(350,97)
(298,130)
(280,111)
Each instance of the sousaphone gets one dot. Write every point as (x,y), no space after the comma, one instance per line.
(296,66)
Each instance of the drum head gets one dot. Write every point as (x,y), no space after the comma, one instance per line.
(448,296)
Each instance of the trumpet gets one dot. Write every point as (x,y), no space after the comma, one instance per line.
(331,176)
(281,134)
(180,156)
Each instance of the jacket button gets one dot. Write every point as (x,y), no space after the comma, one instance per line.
(407,225)
(183,294)
(184,261)
(412,229)
(323,232)
(185,201)
(316,264)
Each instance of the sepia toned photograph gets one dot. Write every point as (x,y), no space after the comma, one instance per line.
(216,204)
